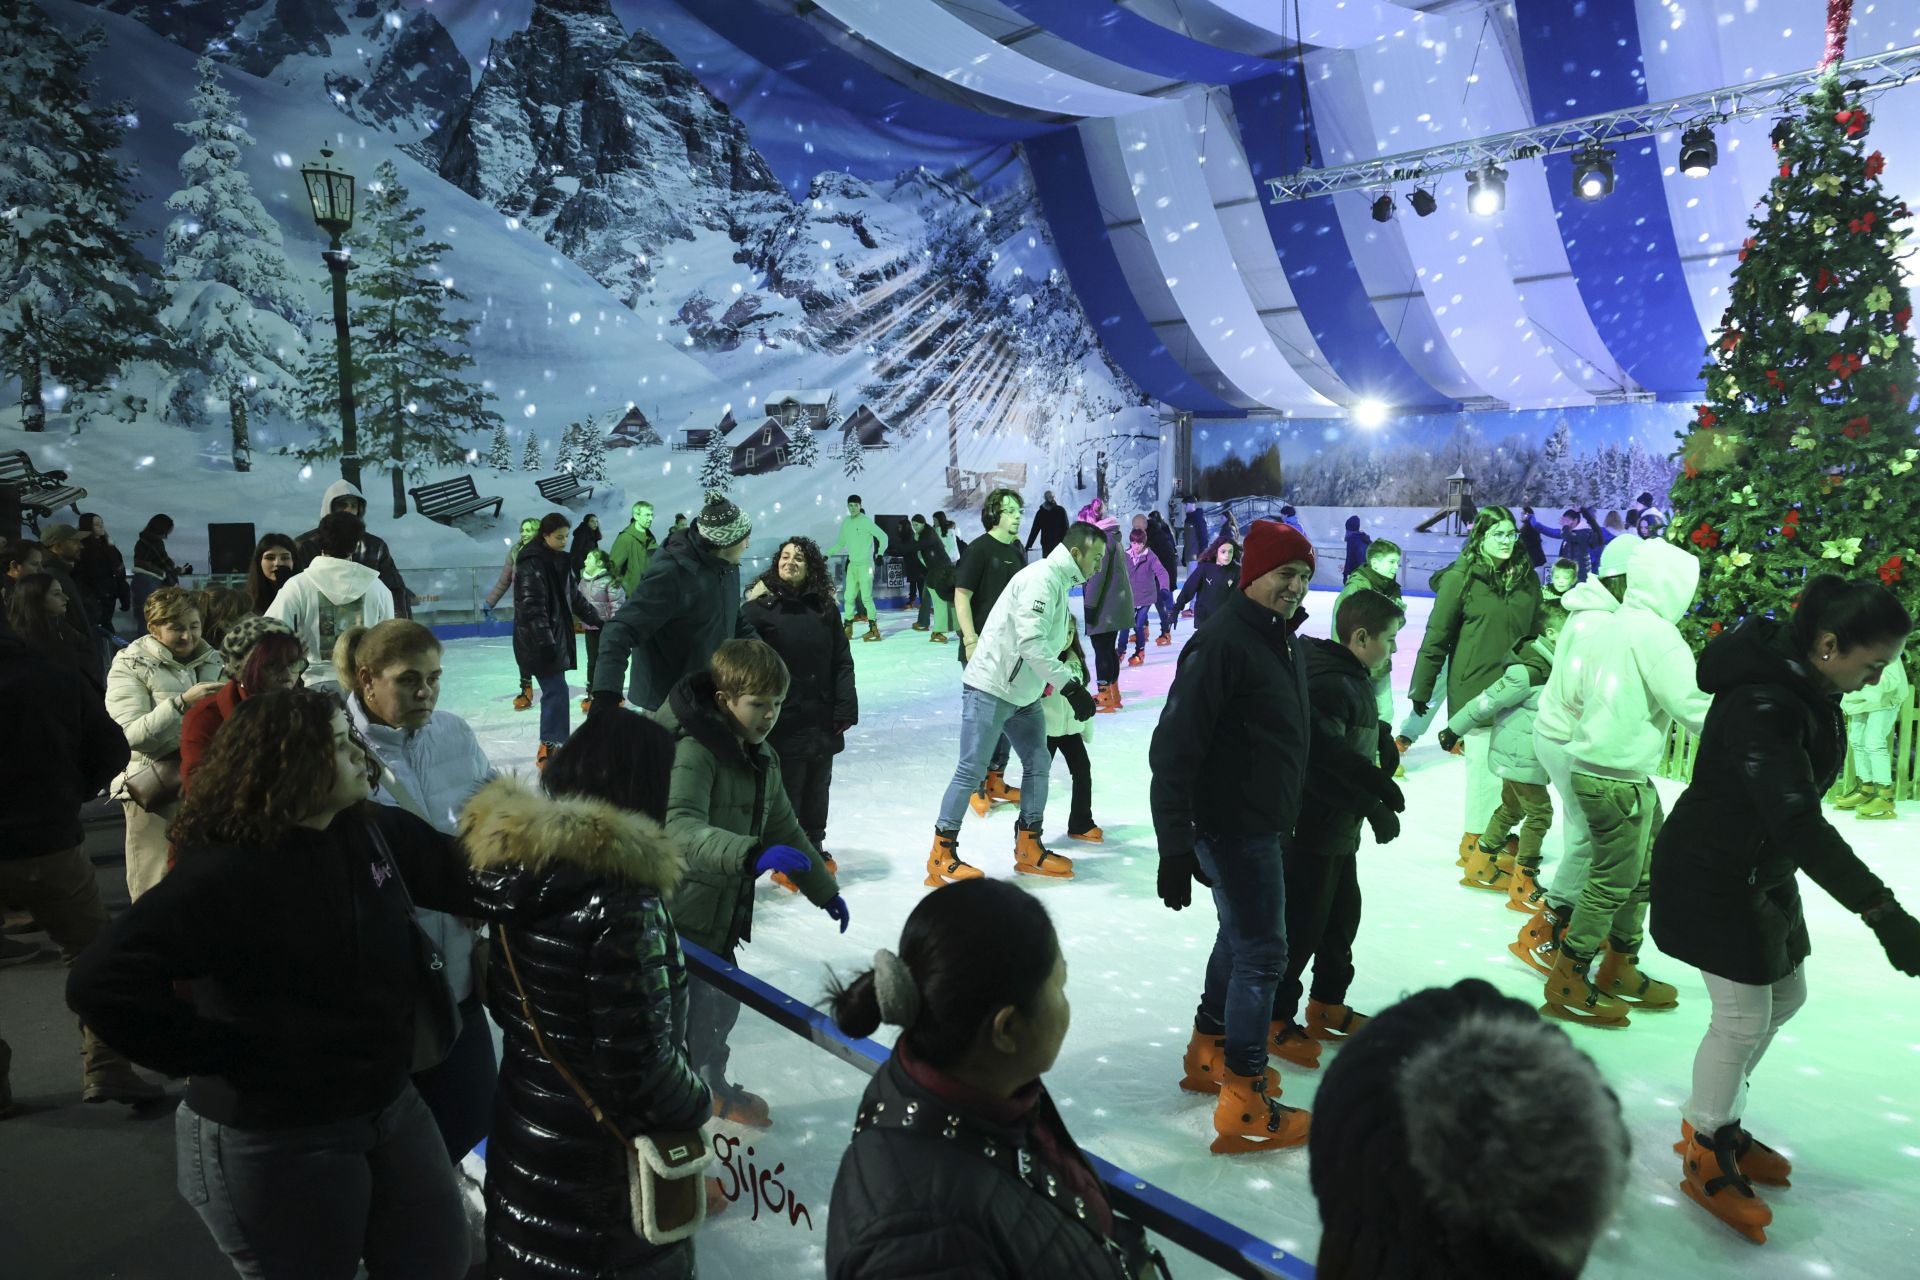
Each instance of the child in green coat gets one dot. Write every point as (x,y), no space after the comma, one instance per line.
(729,813)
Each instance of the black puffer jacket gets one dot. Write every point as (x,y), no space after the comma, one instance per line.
(1229,756)
(1725,897)
(546,600)
(928,1189)
(805,631)
(1207,587)
(685,605)
(575,887)
(1346,760)
(936,563)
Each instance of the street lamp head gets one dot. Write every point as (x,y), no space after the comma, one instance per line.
(330,190)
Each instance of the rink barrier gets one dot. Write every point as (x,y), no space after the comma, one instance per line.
(1212,1239)
(1677,761)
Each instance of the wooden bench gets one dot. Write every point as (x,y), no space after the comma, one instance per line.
(564,487)
(41,492)
(448,500)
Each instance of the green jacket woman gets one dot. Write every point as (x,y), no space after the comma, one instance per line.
(1484,603)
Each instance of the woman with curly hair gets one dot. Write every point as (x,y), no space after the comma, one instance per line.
(1484,603)
(270,568)
(301,1141)
(791,607)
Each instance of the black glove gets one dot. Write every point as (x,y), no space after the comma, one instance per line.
(1899,934)
(1379,784)
(604,700)
(1420,708)
(1448,739)
(1386,826)
(1079,699)
(1177,873)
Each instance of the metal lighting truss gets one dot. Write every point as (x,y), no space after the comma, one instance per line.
(1871,76)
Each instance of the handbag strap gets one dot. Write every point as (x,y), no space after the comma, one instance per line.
(540,1042)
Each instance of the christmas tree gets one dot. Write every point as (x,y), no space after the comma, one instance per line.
(592,467)
(500,452)
(415,395)
(530,456)
(232,296)
(1800,459)
(716,469)
(74,305)
(568,459)
(852,455)
(804,449)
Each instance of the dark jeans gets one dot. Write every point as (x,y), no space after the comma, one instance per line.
(553,708)
(459,1092)
(711,1014)
(1323,915)
(807,776)
(1250,947)
(312,1203)
(1140,628)
(1106,658)
(1074,747)
(916,585)
(593,654)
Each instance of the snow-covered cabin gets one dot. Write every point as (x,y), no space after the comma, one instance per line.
(701,437)
(868,427)
(816,408)
(632,430)
(763,449)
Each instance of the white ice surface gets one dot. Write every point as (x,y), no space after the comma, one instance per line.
(1838,1091)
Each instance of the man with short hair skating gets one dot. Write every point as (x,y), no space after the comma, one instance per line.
(861,539)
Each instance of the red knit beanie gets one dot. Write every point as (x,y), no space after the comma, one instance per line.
(1269,545)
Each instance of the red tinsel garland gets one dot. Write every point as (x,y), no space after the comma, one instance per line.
(1839,14)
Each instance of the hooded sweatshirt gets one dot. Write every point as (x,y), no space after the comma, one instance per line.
(1589,604)
(322,602)
(1639,674)
(372,551)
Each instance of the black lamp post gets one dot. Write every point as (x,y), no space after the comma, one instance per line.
(331,192)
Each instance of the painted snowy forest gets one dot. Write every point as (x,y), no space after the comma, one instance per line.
(579,235)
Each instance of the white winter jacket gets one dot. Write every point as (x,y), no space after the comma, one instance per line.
(431,772)
(144,688)
(1019,651)
(330,596)
(1588,605)
(1888,695)
(1638,676)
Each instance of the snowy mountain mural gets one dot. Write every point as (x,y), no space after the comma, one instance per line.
(608,239)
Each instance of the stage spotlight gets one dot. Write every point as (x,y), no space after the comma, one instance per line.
(1383,207)
(1368,413)
(1698,151)
(1421,198)
(1593,172)
(1487,190)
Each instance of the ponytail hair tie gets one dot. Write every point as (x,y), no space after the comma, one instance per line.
(894,986)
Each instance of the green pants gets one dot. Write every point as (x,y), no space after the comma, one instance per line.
(1623,819)
(859,587)
(1526,805)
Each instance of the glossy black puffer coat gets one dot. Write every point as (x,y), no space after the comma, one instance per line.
(576,887)
(1726,894)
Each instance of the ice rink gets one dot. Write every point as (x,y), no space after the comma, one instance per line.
(1839,1092)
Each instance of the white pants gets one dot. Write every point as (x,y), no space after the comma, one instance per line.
(1576,842)
(1745,1019)
(1867,733)
(1483,787)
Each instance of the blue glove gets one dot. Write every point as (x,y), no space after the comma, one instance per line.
(837,910)
(781,857)
(486,611)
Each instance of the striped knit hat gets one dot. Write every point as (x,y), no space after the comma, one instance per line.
(721,523)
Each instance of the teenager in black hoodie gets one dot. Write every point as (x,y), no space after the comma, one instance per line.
(302,1142)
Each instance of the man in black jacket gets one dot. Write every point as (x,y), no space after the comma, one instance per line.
(372,551)
(687,603)
(1229,759)
(63,749)
(1049,525)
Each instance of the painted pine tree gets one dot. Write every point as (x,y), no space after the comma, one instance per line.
(75,299)
(592,468)
(530,456)
(232,299)
(804,449)
(852,455)
(500,452)
(1801,457)
(416,396)
(567,459)
(716,468)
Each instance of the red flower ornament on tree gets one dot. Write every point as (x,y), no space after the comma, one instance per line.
(1824,280)
(1864,223)
(1876,164)
(1901,317)
(1707,417)
(1774,380)
(1891,569)
(1731,341)
(1844,365)
(1713,630)
(1790,527)
(1706,537)
(1856,428)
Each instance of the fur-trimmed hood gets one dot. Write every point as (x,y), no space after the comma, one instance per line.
(531,848)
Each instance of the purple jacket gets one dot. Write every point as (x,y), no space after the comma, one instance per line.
(1146,575)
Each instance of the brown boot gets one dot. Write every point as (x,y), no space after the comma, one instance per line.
(1032,858)
(943,861)
(1248,1118)
(1289,1042)
(1714,1182)
(1572,998)
(1469,845)
(523,701)
(735,1105)
(1760,1162)
(1620,976)
(1483,870)
(1523,889)
(1538,945)
(997,789)
(1333,1022)
(846,629)
(1204,1066)
(873,631)
(109,1077)
(939,637)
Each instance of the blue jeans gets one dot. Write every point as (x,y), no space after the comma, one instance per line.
(1250,947)
(553,708)
(983,718)
(314,1202)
